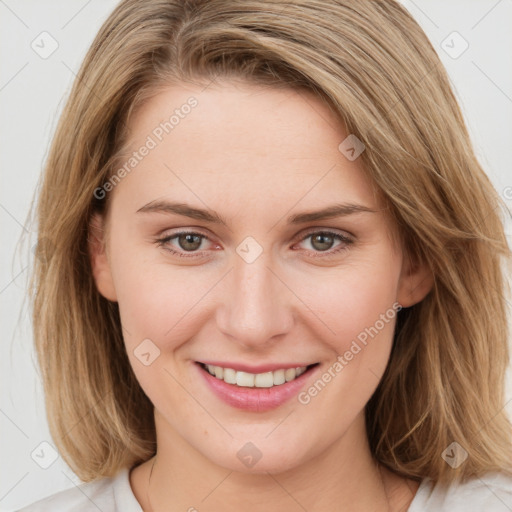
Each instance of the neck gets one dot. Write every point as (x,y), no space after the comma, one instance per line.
(342,477)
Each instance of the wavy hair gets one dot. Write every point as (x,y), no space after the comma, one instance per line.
(376,70)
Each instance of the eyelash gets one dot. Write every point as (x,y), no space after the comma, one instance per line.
(161,242)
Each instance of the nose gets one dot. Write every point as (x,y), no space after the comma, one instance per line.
(256,307)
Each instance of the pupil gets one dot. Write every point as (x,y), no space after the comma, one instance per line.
(321,238)
(189,239)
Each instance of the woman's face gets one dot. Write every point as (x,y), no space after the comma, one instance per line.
(255,282)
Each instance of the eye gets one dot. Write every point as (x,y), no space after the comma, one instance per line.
(190,241)
(322,242)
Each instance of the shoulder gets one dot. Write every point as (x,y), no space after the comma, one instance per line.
(491,492)
(106,494)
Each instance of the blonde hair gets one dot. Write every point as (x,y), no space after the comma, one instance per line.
(375,68)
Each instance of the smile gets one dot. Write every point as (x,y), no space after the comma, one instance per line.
(256,380)
(255,392)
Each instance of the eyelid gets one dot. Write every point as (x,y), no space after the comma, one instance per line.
(346,239)
(297,238)
(309,231)
(165,238)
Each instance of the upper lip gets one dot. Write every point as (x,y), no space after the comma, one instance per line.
(261,368)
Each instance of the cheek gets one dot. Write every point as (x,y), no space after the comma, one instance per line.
(165,303)
(156,308)
(358,312)
(355,318)
(157,301)
(355,306)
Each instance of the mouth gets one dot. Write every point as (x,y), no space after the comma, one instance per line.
(246,379)
(255,392)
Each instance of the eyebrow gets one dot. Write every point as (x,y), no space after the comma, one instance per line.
(333,211)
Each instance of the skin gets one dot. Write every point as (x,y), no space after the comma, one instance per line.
(255,155)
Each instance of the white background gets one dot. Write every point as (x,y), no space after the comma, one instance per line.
(32,94)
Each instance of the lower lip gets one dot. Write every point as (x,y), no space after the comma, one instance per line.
(255,399)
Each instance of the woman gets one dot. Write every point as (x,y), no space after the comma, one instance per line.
(271,276)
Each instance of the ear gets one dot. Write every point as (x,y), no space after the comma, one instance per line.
(416,280)
(99,258)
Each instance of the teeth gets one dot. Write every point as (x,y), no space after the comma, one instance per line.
(290,374)
(279,377)
(229,376)
(245,379)
(255,380)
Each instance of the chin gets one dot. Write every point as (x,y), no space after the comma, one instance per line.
(255,458)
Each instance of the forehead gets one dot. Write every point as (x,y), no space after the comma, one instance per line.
(243,140)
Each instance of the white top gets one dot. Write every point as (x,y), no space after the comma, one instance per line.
(491,493)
